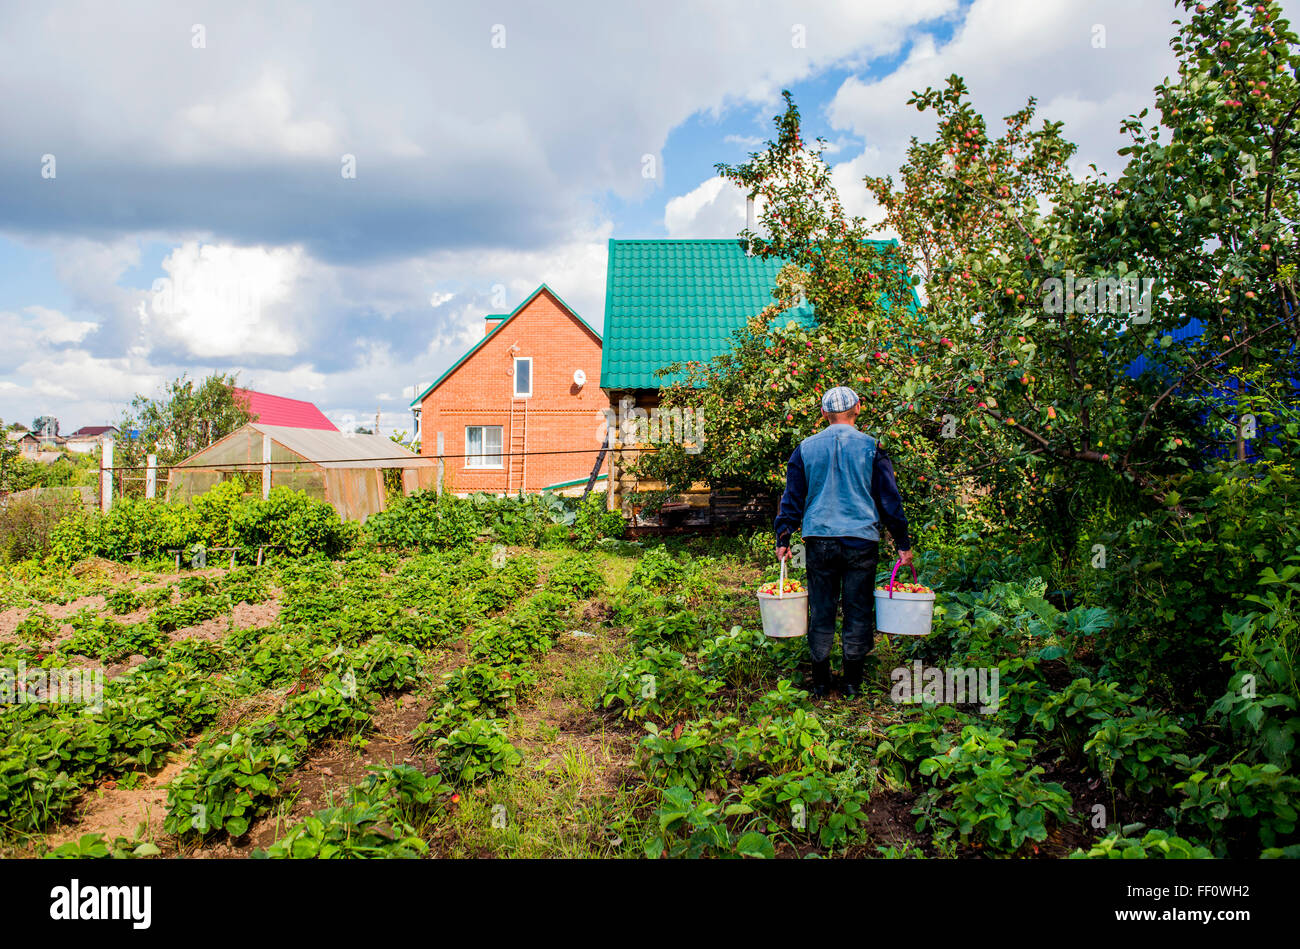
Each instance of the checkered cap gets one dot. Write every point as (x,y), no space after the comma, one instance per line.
(839,399)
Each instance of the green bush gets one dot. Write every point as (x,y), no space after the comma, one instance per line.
(1170,576)
(425,520)
(288,520)
(27,524)
(293,522)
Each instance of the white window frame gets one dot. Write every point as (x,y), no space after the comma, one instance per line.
(483,455)
(514,378)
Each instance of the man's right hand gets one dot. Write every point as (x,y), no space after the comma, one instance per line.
(782,553)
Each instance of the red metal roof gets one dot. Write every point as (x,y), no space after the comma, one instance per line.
(277,410)
(93,430)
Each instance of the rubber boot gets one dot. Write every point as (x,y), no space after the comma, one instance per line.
(821,678)
(852,678)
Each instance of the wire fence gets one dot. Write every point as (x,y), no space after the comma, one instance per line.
(428,459)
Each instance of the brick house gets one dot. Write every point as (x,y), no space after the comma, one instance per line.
(89,437)
(531,384)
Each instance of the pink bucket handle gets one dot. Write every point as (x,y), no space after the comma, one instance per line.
(895,574)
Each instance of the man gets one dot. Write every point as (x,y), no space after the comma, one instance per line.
(840,487)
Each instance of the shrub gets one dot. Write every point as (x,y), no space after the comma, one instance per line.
(427,521)
(1237,801)
(292,521)
(1171,576)
(27,524)
(289,519)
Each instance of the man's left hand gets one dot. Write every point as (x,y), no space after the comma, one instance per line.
(905,558)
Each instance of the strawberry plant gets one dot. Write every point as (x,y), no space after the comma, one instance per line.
(381,665)
(36,627)
(693,756)
(190,611)
(745,657)
(808,802)
(987,792)
(576,577)
(680,630)
(98,847)
(361,830)
(231,780)
(690,827)
(657,684)
(1154,844)
(1137,750)
(330,711)
(1077,709)
(476,751)
(1234,803)
(488,689)
(106,639)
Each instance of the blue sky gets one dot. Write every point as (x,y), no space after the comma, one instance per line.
(206,146)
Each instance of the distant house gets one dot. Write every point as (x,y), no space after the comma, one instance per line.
(89,437)
(277,410)
(345,469)
(28,444)
(521,410)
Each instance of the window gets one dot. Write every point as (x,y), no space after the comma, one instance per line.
(483,446)
(523,376)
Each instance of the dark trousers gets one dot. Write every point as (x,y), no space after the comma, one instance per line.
(844,577)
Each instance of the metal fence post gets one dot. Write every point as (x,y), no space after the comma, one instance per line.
(266,466)
(106,475)
(441,446)
(151,476)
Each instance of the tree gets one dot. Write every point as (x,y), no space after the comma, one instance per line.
(8,464)
(45,425)
(1039,300)
(761,398)
(1043,292)
(183,419)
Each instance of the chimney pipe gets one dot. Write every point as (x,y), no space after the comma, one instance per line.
(749,225)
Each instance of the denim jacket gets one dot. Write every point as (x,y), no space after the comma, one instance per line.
(840,484)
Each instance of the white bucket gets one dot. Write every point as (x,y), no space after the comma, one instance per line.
(784,616)
(904,614)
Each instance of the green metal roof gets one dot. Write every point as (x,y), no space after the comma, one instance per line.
(574,483)
(675,300)
(504,318)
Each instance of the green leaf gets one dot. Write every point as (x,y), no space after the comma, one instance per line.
(754,844)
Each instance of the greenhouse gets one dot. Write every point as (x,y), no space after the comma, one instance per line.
(343,468)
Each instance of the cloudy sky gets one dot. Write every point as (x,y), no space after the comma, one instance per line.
(329,197)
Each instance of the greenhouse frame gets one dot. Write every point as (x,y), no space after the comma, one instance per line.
(346,469)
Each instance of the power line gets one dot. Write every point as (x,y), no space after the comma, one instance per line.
(430,459)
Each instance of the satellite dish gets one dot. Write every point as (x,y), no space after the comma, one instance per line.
(579,378)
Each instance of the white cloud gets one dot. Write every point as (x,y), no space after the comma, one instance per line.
(714,208)
(218,300)
(259,119)
(38,327)
(1009,50)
